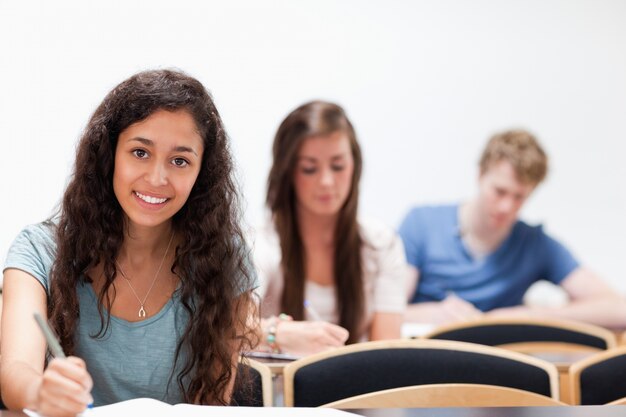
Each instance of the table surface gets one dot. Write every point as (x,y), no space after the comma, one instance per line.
(578,411)
(275,365)
(562,360)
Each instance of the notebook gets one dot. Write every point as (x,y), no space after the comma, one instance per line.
(156,408)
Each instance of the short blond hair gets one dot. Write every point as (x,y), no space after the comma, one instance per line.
(522,150)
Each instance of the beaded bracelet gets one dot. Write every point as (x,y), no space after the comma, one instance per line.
(272,328)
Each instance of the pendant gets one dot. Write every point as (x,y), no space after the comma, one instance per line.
(142,312)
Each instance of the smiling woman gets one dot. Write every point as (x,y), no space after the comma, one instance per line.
(157,162)
(143,273)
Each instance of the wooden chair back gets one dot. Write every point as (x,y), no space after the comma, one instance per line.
(621,401)
(446,395)
(375,366)
(527,335)
(599,379)
(253,385)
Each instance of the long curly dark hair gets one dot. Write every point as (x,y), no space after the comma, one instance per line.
(211,262)
(317,118)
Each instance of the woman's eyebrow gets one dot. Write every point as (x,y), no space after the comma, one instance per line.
(148,142)
(185,149)
(143,141)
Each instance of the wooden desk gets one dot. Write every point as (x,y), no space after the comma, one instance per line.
(562,360)
(275,365)
(578,411)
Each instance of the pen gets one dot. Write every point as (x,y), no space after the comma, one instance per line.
(52,341)
(312,313)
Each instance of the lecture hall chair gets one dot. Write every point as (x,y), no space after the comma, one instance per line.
(375,366)
(446,395)
(528,335)
(258,391)
(600,379)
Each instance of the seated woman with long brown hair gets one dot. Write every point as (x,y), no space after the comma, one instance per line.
(326,276)
(142,275)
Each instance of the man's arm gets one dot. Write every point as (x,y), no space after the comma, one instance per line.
(450,310)
(592,300)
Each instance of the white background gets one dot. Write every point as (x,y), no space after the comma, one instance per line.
(424,82)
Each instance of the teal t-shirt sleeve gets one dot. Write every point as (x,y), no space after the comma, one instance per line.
(33,251)
(409,231)
(559,261)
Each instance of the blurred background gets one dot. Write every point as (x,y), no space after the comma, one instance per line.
(424,82)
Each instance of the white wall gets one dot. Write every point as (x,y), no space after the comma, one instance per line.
(425,83)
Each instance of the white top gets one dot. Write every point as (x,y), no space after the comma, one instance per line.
(384,264)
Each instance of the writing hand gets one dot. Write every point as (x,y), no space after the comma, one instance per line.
(65,388)
(307,337)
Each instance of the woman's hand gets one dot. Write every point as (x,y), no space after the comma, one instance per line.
(65,388)
(303,338)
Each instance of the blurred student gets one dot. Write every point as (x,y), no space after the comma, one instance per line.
(142,275)
(327,277)
(477,256)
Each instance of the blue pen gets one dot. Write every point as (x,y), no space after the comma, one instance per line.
(309,308)
(53,343)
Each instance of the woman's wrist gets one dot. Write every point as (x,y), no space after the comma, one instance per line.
(31,397)
(23,389)
(272,329)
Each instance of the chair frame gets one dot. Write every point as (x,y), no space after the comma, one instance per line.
(537,346)
(620,401)
(577,368)
(291,369)
(446,395)
(266,379)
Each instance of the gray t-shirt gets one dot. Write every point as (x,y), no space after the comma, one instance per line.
(133,359)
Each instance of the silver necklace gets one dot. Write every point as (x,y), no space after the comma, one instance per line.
(142,310)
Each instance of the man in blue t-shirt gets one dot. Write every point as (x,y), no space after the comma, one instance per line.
(477,257)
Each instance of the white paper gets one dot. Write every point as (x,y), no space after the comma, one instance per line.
(416,329)
(156,408)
